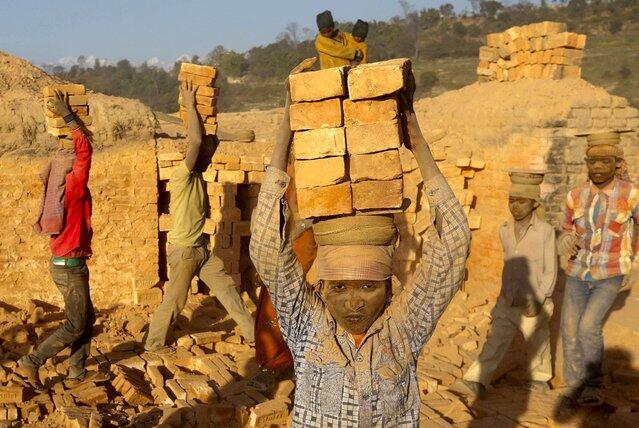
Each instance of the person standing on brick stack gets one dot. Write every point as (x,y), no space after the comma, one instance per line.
(332,44)
(357,38)
(600,239)
(189,254)
(355,345)
(65,216)
(528,280)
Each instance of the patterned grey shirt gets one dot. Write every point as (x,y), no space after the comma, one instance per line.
(338,384)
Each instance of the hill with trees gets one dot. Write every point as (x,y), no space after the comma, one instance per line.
(442,43)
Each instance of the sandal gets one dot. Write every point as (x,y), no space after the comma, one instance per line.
(591,397)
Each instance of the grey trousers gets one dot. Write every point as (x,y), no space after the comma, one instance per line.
(76,332)
(506,321)
(185,263)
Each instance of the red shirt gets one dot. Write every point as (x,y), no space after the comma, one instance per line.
(75,239)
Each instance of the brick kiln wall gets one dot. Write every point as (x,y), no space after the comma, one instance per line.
(123,184)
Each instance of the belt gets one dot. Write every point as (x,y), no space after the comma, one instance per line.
(68,262)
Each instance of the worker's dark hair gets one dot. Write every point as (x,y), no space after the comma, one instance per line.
(325,20)
(360,29)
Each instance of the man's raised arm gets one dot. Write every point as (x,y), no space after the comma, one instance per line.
(271,249)
(442,266)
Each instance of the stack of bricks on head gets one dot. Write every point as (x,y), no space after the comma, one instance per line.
(350,154)
(543,50)
(78,102)
(203,79)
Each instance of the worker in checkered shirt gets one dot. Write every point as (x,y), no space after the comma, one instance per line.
(355,345)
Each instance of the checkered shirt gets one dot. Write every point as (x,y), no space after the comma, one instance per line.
(338,384)
(606,223)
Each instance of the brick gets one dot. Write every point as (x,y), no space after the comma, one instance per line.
(197,80)
(375,166)
(488,54)
(269,413)
(171,156)
(474,220)
(564,39)
(207,91)
(12,394)
(319,143)
(198,70)
(149,297)
(69,88)
(373,137)
(202,100)
(161,397)
(319,172)
(284,388)
(93,396)
(477,164)
(318,85)
(155,375)
(203,111)
(571,72)
(199,390)
(207,337)
(325,201)
(166,173)
(255,177)
(78,100)
(236,177)
(176,389)
(370,111)
(377,194)
(377,79)
(314,115)
(494,39)
(221,189)
(230,348)
(546,28)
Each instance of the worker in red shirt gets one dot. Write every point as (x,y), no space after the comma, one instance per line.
(65,216)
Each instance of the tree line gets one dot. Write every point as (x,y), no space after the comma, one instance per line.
(424,34)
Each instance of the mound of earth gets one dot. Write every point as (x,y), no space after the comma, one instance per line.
(22,120)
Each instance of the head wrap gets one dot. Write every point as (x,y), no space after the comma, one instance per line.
(354,262)
(356,230)
(608,144)
(360,29)
(355,247)
(525,184)
(325,20)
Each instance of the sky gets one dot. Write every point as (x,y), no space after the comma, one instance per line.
(53,31)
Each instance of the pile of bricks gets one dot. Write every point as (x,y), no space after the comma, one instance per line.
(347,136)
(203,79)
(77,99)
(204,383)
(543,50)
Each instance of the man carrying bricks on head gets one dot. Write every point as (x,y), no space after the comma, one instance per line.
(357,39)
(528,280)
(600,239)
(332,44)
(189,254)
(65,216)
(355,345)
